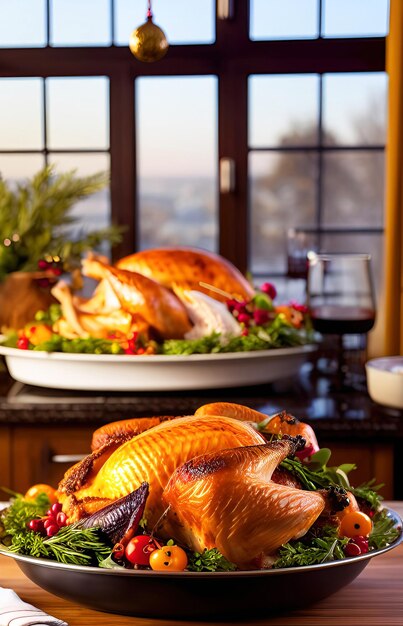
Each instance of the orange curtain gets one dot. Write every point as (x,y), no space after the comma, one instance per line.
(393,342)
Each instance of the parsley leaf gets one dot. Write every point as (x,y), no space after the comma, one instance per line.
(209,561)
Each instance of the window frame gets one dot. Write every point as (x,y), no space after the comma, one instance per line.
(233,57)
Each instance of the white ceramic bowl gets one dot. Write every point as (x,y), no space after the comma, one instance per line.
(385,380)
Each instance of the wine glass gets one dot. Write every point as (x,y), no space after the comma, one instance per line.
(340,297)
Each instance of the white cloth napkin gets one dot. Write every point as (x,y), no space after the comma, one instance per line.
(15,612)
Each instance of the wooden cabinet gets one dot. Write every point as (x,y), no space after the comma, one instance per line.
(43,454)
(5,459)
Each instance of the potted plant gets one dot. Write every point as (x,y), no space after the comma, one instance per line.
(37,241)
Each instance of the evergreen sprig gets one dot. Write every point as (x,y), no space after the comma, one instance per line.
(36,219)
(74,545)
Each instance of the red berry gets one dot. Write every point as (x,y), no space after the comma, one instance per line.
(362,543)
(42,264)
(33,525)
(48,522)
(23,343)
(52,530)
(261,316)
(352,549)
(240,306)
(231,304)
(56,508)
(244,318)
(269,289)
(61,519)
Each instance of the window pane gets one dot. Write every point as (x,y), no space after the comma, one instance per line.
(16,167)
(22,23)
(177,161)
(283,196)
(284,19)
(182,21)
(283,110)
(21,114)
(94,212)
(80,22)
(354,108)
(356,243)
(78,113)
(352,18)
(354,189)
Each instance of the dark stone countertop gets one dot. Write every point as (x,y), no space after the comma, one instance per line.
(335,415)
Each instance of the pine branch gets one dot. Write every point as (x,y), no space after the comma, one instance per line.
(36,219)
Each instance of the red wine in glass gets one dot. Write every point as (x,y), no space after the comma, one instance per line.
(340,298)
(342,320)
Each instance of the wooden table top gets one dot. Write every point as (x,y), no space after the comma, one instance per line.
(375,598)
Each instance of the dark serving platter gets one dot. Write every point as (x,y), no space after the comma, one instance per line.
(196,595)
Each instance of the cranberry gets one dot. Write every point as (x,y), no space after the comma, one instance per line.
(362,543)
(302,308)
(33,525)
(352,549)
(261,316)
(52,530)
(56,508)
(269,289)
(23,343)
(231,304)
(61,519)
(49,522)
(243,318)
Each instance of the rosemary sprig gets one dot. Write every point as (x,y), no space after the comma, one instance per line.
(73,545)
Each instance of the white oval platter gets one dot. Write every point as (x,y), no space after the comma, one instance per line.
(104,372)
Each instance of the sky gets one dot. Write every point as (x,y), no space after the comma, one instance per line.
(175,116)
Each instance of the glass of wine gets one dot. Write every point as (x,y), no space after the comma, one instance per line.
(341,297)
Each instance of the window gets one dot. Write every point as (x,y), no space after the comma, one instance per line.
(293,91)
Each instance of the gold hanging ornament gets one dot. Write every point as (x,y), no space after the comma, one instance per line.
(148,42)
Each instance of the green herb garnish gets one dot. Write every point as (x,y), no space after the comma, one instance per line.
(15,517)
(73,545)
(384,531)
(328,547)
(278,334)
(90,345)
(316,474)
(369,492)
(209,561)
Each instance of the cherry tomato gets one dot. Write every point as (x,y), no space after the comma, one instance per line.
(171,558)
(34,491)
(38,334)
(356,523)
(138,550)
